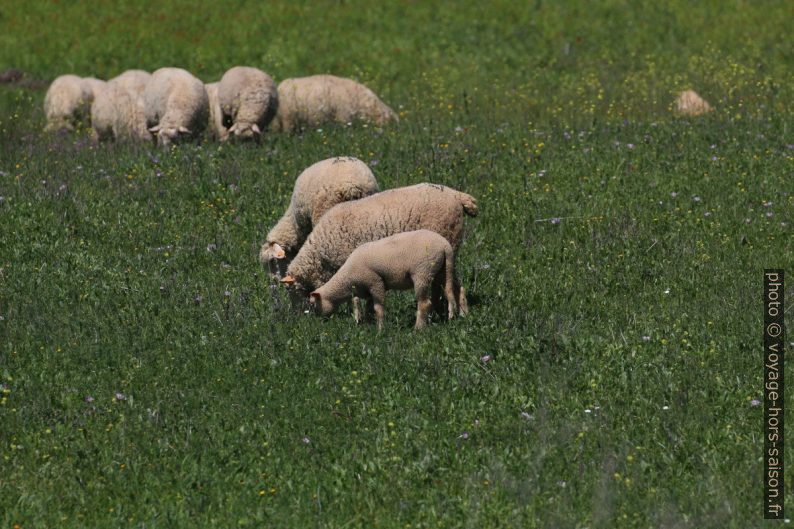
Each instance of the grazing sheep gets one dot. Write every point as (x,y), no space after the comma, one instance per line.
(118,111)
(216,127)
(689,103)
(248,99)
(411,259)
(176,105)
(310,101)
(69,99)
(348,225)
(317,189)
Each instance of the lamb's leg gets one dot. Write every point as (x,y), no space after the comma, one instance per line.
(356,302)
(378,294)
(449,283)
(436,294)
(423,303)
(463,305)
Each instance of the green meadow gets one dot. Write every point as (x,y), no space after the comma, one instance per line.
(152,375)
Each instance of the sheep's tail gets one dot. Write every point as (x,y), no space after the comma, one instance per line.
(469,204)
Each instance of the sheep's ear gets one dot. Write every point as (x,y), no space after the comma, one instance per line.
(232,128)
(279,252)
(314,297)
(289,280)
(184,130)
(154,129)
(255,128)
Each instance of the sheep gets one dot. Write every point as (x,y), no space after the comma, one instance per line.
(346,226)
(248,100)
(68,100)
(118,111)
(176,105)
(317,189)
(410,259)
(689,103)
(310,101)
(215,124)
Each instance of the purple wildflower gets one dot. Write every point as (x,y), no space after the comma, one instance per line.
(120,396)
(755,402)
(556,220)
(89,398)
(485,359)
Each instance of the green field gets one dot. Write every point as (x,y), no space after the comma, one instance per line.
(152,376)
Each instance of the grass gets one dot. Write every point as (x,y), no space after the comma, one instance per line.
(623,338)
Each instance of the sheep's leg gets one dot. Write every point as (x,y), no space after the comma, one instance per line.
(378,294)
(356,302)
(436,295)
(423,304)
(378,314)
(460,294)
(449,283)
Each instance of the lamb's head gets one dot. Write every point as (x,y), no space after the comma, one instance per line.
(321,304)
(276,258)
(168,135)
(245,131)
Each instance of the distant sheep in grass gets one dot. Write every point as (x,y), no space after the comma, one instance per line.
(689,103)
(118,111)
(176,105)
(68,101)
(311,101)
(414,259)
(248,100)
(317,189)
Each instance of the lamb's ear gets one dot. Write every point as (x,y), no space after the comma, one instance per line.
(278,251)
(255,128)
(232,128)
(154,129)
(314,297)
(289,280)
(184,130)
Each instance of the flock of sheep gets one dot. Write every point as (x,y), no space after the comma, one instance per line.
(341,238)
(171,104)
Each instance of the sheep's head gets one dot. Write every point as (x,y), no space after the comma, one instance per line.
(298,292)
(321,304)
(245,131)
(276,258)
(168,135)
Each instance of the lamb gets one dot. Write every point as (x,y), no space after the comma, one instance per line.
(317,189)
(689,103)
(248,100)
(310,101)
(176,105)
(411,259)
(348,225)
(68,101)
(118,111)
(215,124)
